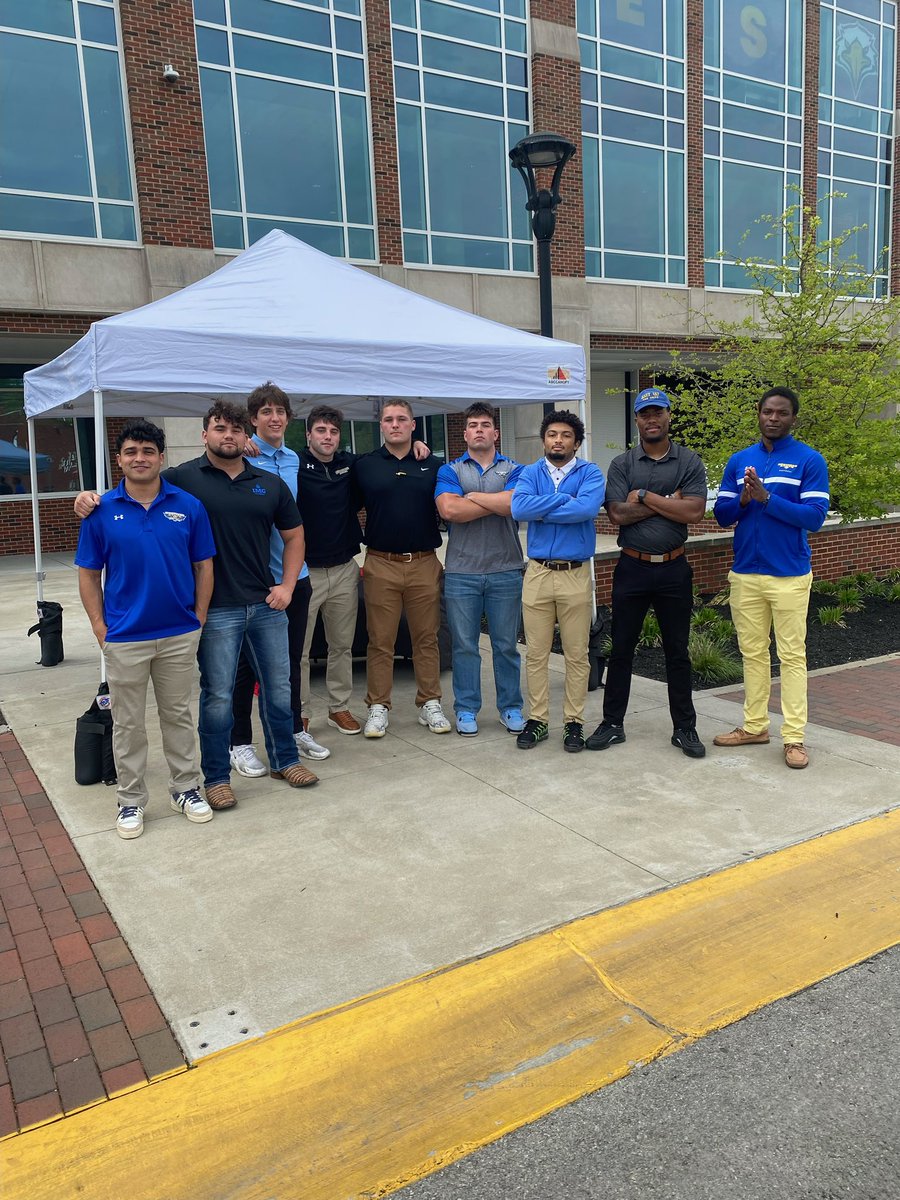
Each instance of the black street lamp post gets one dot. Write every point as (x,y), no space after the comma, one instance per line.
(530,154)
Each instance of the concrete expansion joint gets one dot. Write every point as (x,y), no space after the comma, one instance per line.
(677,1036)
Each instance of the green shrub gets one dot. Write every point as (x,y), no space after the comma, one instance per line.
(832,614)
(894,593)
(825,587)
(703,618)
(849,598)
(650,633)
(712,662)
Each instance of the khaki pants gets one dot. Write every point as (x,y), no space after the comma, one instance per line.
(759,602)
(549,597)
(335,593)
(172,665)
(389,588)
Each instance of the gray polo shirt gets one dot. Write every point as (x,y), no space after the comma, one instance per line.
(491,543)
(681,470)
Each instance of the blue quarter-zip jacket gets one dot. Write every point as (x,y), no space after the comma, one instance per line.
(560,523)
(770,539)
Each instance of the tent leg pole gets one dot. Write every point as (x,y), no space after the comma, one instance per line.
(100,469)
(35,512)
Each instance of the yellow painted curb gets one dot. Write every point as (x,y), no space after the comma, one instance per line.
(359,1100)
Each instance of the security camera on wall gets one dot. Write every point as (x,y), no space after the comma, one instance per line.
(170,75)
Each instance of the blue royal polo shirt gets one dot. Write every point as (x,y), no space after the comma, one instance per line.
(148,554)
(285,463)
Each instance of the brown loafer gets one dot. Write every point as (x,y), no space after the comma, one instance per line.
(344,721)
(220,796)
(741,737)
(296,776)
(795,755)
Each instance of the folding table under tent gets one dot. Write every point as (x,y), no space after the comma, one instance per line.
(322,329)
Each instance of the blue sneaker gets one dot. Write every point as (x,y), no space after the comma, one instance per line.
(512,720)
(466,725)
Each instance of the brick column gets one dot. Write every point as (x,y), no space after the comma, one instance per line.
(166,123)
(384,131)
(555,94)
(694,119)
(811,107)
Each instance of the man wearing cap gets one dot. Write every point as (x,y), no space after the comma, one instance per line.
(653,491)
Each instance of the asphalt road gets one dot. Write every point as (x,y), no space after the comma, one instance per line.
(800,1101)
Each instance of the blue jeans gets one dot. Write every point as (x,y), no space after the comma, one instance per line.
(263,632)
(499,597)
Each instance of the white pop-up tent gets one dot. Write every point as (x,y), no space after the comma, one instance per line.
(320,328)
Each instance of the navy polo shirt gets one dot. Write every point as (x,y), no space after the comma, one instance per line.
(148,554)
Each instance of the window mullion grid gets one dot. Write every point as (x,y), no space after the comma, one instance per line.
(339,129)
(236,117)
(420,66)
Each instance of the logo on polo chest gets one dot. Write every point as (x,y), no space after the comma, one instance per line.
(174,516)
(259,490)
(787,466)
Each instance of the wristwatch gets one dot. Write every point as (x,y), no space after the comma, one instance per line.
(641,494)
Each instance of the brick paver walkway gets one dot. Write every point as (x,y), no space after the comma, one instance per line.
(77,1020)
(864,700)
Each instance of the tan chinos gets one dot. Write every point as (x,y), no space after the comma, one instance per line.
(549,597)
(171,663)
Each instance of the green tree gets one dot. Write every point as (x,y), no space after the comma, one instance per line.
(812,329)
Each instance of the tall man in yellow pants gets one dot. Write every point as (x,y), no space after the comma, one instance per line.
(774,493)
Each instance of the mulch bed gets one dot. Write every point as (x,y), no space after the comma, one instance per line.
(870,633)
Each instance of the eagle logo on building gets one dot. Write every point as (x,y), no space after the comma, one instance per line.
(856,55)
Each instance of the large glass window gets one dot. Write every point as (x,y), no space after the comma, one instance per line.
(752,118)
(65,163)
(856,118)
(633,125)
(64,447)
(461,81)
(286,122)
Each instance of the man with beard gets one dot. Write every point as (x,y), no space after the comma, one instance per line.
(559,496)
(654,491)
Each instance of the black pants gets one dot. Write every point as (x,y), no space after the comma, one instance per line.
(668,588)
(245,680)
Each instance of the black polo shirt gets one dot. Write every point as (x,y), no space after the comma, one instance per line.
(681,469)
(242,512)
(398,494)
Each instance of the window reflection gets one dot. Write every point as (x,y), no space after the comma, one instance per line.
(856,104)
(65,170)
(754,62)
(633,160)
(58,447)
(459,111)
(287,125)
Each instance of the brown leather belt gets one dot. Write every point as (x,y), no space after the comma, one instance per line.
(408,556)
(654,558)
(559,564)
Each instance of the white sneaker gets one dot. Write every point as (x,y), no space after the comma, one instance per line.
(308,747)
(130,821)
(245,762)
(192,804)
(377,721)
(432,715)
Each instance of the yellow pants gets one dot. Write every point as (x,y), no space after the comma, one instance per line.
(759,602)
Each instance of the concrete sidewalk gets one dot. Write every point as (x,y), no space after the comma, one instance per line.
(413,852)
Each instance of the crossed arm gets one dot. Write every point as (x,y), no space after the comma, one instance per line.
(676,507)
(475,505)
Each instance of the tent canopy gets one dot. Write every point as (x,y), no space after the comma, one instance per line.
(15,459)
(321,329)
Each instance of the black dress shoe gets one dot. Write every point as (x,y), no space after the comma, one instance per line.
(689,743)
(604,736)
(573,737)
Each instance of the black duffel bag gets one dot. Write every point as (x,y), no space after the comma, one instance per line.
(49,629)
(94,761)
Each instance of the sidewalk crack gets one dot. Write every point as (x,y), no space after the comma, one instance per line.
(677,1035)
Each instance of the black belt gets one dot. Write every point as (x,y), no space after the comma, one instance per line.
(654,558)
(559,564)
